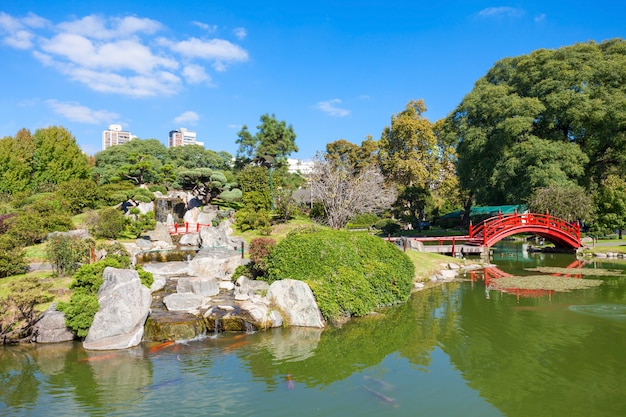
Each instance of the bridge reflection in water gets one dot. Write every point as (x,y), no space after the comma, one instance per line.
(492,273)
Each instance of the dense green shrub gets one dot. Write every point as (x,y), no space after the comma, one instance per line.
(388,226)
(259,251)
(36,220)
(252,220)
(146,277)
(350,274)
(12,257)
(80,194)
(83,304)
(66,253)
(109,223)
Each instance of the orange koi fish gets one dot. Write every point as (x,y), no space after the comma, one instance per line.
(161,346)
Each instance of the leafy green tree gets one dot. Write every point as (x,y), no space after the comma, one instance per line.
(66,253)
(195,156)
(17,310)
(552,116)
(109,223)
(139,161)
(611,203)
(58,158)
(204,183)
(408,148)
(138,223)
(17,162)
(12,257)
(80,194)
(411,205)
(36,220)
(359,157)
(273,142)
(571,202)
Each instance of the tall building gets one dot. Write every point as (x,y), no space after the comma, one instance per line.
(182,137)
(115,136)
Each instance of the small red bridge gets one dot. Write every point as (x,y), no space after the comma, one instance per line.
(563,234)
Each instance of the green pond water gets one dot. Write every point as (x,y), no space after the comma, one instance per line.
(452,350)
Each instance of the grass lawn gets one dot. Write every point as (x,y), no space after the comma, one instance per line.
(47,276)
(36,253)
(427,264)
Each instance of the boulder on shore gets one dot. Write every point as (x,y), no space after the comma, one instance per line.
(124,307)
(51,327)
(296,301)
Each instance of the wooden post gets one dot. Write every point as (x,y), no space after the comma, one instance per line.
(404,245)
(453,246)
(242,243)
(471,230)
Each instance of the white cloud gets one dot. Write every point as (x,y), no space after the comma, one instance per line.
(240,33)
(329,107)
(205,26)
(503,11)
(195,74)
(540,18)
(212,49)
(22,39)
(82,114)
(187,118)
(120,55)
(98,27)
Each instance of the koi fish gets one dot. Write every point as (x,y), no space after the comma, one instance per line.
(161,346)
(165,383)
(290,383)
(236,345)
(385,385)
(382,397)
(98,358)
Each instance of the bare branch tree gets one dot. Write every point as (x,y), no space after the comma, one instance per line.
(345,193)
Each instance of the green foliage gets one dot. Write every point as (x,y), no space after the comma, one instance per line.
(350,274)
(146,277)
(388,226)
(363,221)
(550,117)
(17,310)
(109,223)
(259,251)
(79,194)
(83,304)
(137,224)
(80,311)
(36,220)
(273,142)
(32,162)
(12,257)
(410,207)
(66,253)
(137,161)
(247,219)
(205,183)
(611,203)
(570,202)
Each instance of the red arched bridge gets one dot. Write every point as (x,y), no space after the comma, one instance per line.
(553,229)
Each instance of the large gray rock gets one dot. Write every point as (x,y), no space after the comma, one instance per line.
(245,288)
(76,234)
(191,215)
(145,208)
(297,303)
(260,314)
(214,237)
(161,234)
(51,327)
(158,283)
(203,286)
(124,307)
(167,268)
(217,262)
(183,301)
(190,239)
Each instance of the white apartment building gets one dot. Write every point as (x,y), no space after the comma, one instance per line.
(115,136)
(182,137)
(297,166)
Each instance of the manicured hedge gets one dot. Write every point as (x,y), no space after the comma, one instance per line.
(350,274)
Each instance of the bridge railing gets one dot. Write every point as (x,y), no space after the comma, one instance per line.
(178,229)
(495,225)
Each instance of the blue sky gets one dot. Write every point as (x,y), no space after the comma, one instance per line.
(332,69)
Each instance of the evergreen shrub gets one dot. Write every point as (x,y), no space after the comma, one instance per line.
(350,274)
